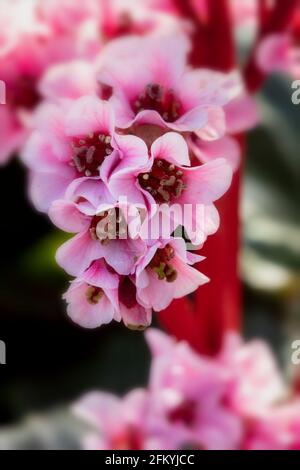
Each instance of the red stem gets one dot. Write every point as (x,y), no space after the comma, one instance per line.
(214,308)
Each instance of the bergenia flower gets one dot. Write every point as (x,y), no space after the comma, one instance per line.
(164,179)
(164,273)
(152,85)
(102,227)
(279,53)
(115,423)
(71,142)
(30,42)
(187,393)
(255,383)
(100,295)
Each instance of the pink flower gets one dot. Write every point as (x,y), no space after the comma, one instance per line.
(278,53)
(164,273)
(102,227)
(118,423)
(278,429)
(163,179)
(93,297)
(99,296)
(186,393)
(71,142)
(29,44)
(152,85)
(255,383)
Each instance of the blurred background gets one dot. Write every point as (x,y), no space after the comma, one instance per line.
(51,361)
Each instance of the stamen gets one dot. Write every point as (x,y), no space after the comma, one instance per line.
(94,295)
(89,153)
(160,264)
(157,98)
(164,181)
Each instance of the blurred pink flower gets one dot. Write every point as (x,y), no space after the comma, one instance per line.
(186,393)
(279,53)
(121,424)
(30,42)
(254,383)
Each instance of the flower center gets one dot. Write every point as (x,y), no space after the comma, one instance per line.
(89,152)
(93,295)
(129,439)
(23,93)
(184,413)
(127,293)
(160,264)
(164,182)
(109,225)
(157,98)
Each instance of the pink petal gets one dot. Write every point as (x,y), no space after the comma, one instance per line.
(226,147)
(171,147)
(216,125)
(274,53)
(44,188)
(137,317)
(90,114)
(66,216)
(242,114)
(206,183)
(89,193)
(69,80)
(158,342)
(84,313)
(101,410)
(128,250)
(98,275)
(76,255)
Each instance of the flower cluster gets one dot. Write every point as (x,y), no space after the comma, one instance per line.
(124,152)
(237,400)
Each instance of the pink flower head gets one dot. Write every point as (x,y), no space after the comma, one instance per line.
(164,273)
(152,85)
(102,226)
(29,44)
(255,382)
(71,143)
(186,392)
(118,424)
(100,295)
(278,53)
(163,179)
